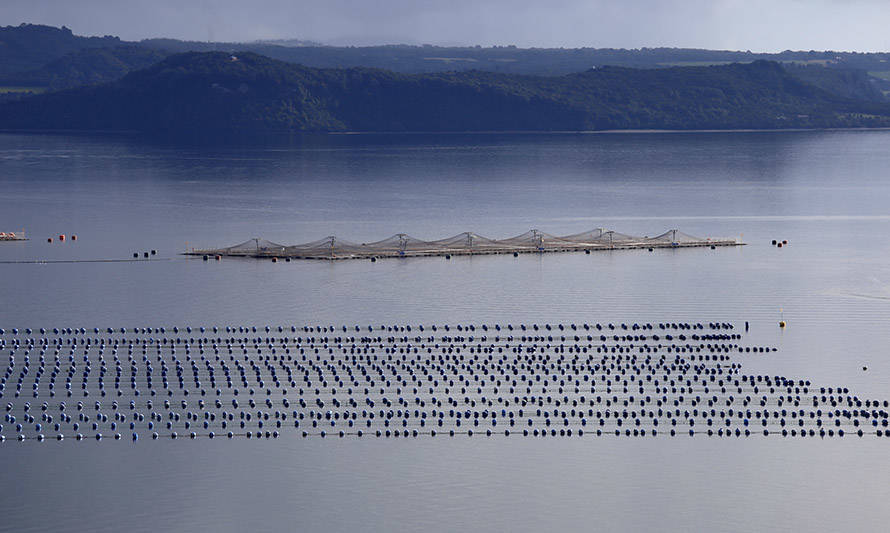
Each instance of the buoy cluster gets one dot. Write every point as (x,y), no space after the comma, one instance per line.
(525,380)
(778,244)
(146,254)
(61,238)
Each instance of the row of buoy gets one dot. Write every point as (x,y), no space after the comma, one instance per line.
(779,244)
(724,417)
(822,433)
(61,238)
(397,380)
(145,255)
(689,326)
(528,343)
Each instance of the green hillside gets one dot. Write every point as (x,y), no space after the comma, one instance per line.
(215,93)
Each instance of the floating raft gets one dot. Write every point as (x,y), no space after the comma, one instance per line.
(12,236)
(537,380)
(468,243)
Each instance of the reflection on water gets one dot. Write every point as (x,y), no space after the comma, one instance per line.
(826,193)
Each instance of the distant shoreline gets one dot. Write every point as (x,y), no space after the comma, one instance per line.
(598,132)
(136,133)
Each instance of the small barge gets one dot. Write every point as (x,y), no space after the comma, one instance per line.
(12,236)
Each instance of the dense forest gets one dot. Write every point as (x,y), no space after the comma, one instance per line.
(30,46)
(88,66)
(217,93)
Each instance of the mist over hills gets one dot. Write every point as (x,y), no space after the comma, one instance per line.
(216,93)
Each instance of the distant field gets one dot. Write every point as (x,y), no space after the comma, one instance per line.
(698,63)
(450,59)
(22,89)
(822,62)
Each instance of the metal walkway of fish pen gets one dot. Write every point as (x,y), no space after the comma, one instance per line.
(468,243)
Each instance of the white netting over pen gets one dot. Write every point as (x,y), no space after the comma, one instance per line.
(402,244)
(536,240)
(467,241)
(253,247)
(676,236)
(327,247)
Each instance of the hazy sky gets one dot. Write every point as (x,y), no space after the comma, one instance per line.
(758,25)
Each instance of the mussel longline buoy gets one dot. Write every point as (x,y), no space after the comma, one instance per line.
(135,255)
(62,237)
(74,237)
(775,242)
(218,257)
(145,255)
(781,323)
(204,258)
(49,239)
(274,259)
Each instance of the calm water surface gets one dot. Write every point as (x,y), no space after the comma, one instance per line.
(827,193)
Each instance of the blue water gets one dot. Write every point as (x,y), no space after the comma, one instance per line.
(827,193)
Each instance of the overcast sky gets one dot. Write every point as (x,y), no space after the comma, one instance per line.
(757,25)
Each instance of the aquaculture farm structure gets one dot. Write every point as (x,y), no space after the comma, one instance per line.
(468,243)
(13,236)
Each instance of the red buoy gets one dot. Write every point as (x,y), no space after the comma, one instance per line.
(62,237)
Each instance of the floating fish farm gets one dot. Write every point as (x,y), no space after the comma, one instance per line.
(468,243)
(399,381)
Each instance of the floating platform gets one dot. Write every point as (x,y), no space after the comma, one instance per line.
(6,236)
(572,380)
(468,243)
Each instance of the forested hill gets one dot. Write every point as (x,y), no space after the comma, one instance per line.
(29,46)
(215,93)
(88,66)
(37,58)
